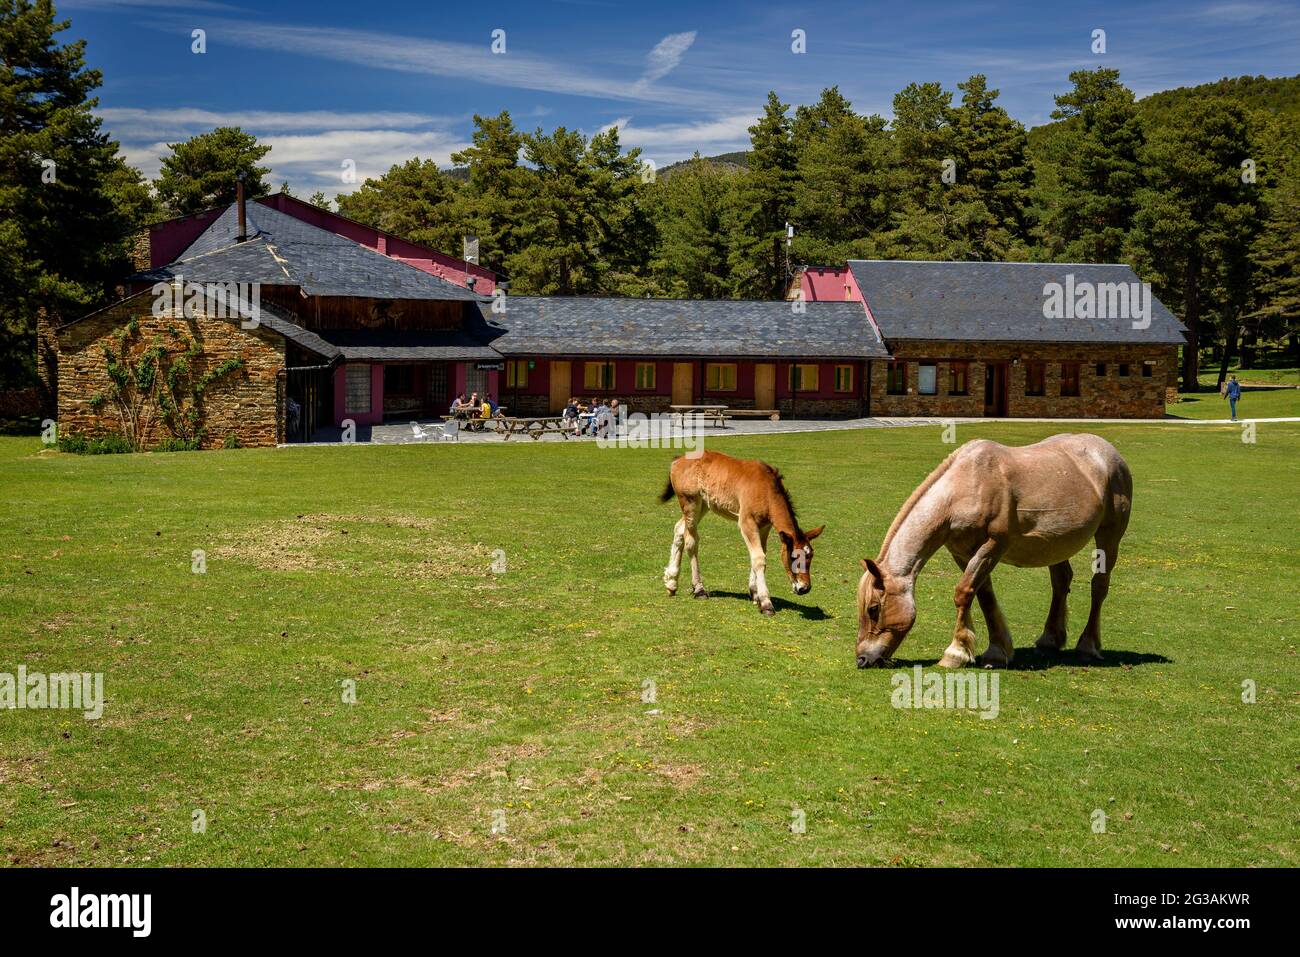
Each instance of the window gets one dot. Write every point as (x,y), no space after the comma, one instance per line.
(957,374)
(897,381)
(1069,378)
(399,380)
(516,374)
(1147,368)
(356,388)
(598,376)
(1101,370)
(720,377)
(803,378)
(844,378)
(645,375)
(927,378)
(1035,378)
(1123,368)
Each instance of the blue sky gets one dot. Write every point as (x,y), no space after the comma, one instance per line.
(376,83)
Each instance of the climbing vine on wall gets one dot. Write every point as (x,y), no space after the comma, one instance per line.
(158,382)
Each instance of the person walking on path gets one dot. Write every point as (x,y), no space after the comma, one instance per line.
(1232,393)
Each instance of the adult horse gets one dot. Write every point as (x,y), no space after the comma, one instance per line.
(751,494)
(986,503)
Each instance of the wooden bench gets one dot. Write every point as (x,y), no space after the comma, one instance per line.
(773,415)
(717,414)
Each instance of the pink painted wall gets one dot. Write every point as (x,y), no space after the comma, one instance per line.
(826,284)
(169,239)
(428,260)
(376,413)
(625,379)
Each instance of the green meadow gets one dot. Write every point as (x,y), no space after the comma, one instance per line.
(464,655)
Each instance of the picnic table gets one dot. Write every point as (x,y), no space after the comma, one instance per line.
(534,426)
(471,415)
(714,413)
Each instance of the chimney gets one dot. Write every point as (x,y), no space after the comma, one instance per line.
(470,247)
(239,200)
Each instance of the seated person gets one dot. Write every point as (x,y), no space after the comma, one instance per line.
(570,413)
(457,403)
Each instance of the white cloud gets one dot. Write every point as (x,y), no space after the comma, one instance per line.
(461,61)
(307,148)
(669,142)
(665,56)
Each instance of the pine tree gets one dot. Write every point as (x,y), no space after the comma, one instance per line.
(1197,214)
(580,222)
(843,195)
(203,171)
(415,200)
(765,204)
(693,208)
(489,203)
(1088,213)
(63,236)
(993,174)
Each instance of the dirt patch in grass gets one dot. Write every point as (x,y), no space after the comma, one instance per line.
(406,547)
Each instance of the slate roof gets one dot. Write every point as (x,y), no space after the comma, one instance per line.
(287,251)
(550,325)
(996,302)
(473,342)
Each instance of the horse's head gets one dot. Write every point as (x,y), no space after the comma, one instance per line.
(797,556)
(886,613)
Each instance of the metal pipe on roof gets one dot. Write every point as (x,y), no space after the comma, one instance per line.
(239,201)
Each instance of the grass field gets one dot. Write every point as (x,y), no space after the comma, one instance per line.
(521,691)
(1254,404)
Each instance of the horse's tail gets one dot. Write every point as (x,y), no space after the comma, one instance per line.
(669,491)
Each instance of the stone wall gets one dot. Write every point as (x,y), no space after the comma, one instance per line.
(1112,396)
(245,403)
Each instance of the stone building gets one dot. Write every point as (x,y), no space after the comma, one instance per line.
(1009,339)
(356,325)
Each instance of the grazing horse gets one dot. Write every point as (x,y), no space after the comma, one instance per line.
(752,495)
(986,503)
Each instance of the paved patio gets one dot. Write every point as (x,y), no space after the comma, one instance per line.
(430,431)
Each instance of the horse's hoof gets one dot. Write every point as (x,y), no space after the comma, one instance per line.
(672,592)
(950,660)
(1087,655)
(1049,644)
(700,593)
(767,610)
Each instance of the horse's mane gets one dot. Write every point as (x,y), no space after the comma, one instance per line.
(915,497)
(785,495)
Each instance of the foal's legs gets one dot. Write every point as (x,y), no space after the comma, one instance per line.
(692,517)
(754,539)
(962,650)
(762,540)
(1089,646)
(675,557)
(1053,636)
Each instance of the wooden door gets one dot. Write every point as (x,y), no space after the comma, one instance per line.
(683,383)
(995,389)
(765,386)
(561,383)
